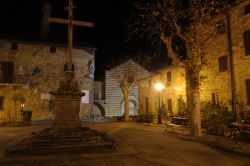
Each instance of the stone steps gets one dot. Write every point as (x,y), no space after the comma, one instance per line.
(79,140)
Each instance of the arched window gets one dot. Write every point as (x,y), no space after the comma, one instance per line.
(246,36)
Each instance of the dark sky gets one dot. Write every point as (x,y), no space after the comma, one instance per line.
(21,19)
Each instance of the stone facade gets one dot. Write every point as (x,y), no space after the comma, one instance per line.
(173,79)
(219,82)
(216,82)
(36,70)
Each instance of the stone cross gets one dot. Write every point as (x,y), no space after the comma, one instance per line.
(70,23)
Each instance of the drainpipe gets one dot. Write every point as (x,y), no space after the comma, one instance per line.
(231,62)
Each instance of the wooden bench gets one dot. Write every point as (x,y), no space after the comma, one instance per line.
(177,122)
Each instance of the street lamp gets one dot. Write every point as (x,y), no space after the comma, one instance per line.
(159,87)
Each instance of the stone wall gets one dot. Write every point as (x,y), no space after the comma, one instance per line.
(39,70)
(173,90)
(220,82)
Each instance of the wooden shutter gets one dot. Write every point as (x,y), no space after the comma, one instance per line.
(248,91)
(146,105)
(223,64)
(7,72)
(169,77)
(1,102)
(246,36)
(170,109)
(247,9)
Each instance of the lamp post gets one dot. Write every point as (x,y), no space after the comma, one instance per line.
(159,87)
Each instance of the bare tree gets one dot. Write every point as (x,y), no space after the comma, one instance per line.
(191,23)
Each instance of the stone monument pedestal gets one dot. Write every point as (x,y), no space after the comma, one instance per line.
(67,111)
(67,104)
(66,134)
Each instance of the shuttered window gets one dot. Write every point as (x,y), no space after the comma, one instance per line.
(246,36)
(14,46)
(248,91)
(1,103)
(169,77)
(7,69)
(146,105)
(53,49)
(247,9)
(170,109)
(215,99)
(223,64)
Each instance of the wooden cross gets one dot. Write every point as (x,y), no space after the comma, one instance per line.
(70,23)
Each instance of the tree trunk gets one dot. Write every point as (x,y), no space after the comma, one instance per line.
(195,104)
(126,106)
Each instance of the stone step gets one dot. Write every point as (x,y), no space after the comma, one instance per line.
(86,148)
(82,140)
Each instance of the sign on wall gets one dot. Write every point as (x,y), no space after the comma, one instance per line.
(85,98)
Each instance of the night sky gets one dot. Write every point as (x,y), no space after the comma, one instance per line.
(20,19)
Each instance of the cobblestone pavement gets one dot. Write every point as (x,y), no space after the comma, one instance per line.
(137,144)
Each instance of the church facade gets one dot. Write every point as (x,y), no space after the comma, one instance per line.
(30,70)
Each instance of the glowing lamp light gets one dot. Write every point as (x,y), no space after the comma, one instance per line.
(159,86)
(22,105)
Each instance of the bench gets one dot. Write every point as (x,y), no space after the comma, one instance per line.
(177,122)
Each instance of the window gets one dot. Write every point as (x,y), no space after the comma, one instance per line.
(248,91)
(131,77)
(246,36)
(247,9)
(169,77)
(221,27)
(149,83)
(223,64)
(53,49)
(96,96)
(14,46)
(146,105)
(7,69)
(1,102)
(215,98)
(170,109)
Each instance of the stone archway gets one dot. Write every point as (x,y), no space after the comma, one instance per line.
(100,107)
(133,107)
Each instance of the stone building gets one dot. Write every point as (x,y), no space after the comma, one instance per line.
(216,84)
(30,70)
(173,79)
(113,94)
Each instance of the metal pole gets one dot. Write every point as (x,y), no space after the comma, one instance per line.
(70,35)
(231,61)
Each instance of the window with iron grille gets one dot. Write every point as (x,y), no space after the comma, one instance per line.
(223,64)
(246,36)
